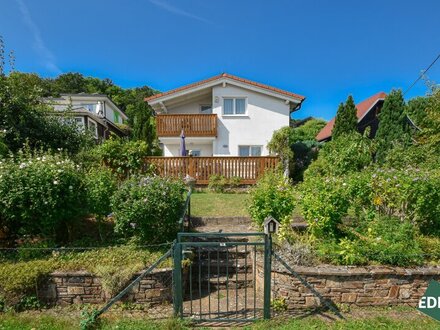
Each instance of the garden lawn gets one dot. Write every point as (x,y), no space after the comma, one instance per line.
(207,204)
(362,318)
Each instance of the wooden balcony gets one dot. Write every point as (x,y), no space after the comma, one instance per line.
(248,169)
(197,125)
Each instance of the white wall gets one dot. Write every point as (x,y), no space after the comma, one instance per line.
(265,114)
(174,149)
(192,107)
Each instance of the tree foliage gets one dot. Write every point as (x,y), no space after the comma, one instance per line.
(297,146)
(346,119)
(25,119)
(393,125)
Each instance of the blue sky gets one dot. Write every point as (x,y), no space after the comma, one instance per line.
(324,50)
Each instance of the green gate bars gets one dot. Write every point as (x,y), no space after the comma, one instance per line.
(216,277)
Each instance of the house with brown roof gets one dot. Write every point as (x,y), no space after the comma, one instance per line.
(224,115)
(367,112)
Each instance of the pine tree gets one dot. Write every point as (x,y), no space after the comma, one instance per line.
(346,119)
(393,125)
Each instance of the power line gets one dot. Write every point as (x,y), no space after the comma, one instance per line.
(422,74)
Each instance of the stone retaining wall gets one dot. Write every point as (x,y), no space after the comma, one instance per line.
(81,287)
(361,286)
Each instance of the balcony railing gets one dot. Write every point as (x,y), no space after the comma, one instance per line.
(193,125)
(248,169)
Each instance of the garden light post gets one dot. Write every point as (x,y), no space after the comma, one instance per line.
(270,227)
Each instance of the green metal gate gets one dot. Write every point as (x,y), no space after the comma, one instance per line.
(216,277)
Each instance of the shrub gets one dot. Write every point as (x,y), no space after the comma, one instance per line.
(324,201)
(410,194)
(148,208)
(234,182)
(348,153)
(383,240)
(125,158)
(101,185)
(217,183)
(40,194)
(273,195)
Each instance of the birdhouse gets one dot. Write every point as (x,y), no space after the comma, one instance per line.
(270,225)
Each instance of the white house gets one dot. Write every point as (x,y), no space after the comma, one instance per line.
(95,112)
(222,116)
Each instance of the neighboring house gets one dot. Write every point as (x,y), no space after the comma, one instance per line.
(367,112)
(95,112)
(222,116)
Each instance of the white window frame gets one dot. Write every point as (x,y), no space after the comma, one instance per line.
(234,114)
(96,126)
(81,126)
(250,150)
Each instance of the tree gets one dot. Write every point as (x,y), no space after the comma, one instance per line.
(393,125)
(25,119)
(346,119)
(308,130)
(281,145)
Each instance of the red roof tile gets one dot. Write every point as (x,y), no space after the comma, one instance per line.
(226,75)
(362,109)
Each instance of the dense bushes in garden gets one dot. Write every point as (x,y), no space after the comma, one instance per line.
(273,196)
(363,207)
(125,158)
(48,195)
(148,208)
(40,194)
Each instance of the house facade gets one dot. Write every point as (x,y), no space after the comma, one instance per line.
(222,116)
(93,112)
(367,114)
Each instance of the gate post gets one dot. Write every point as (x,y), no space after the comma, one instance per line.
(177,277)
(267,275)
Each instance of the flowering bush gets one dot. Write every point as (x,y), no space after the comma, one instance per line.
(411,194)
(149,208)
(40,194)
(382,240)
(273,195)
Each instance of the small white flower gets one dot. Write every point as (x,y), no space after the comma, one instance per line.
(344,184)
(55,182)
(22,165)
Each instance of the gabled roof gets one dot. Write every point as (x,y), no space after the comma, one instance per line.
(226,77)
(362,109)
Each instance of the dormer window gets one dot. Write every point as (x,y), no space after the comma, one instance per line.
(234,106)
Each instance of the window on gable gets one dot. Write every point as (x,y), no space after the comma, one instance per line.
(93,127)
(116,117)
(246,151)
(234,106)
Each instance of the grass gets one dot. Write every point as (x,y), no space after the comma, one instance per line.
(21,276)
(362,318)
(209,204)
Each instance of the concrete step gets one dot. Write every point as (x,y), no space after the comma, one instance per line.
(232,281)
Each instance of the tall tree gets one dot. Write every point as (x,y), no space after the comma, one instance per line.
(393,125)
(346,119)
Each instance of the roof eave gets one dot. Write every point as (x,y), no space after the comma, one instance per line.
(152,101)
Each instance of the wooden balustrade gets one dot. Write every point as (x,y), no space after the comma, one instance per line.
(248,169)
(192,124)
